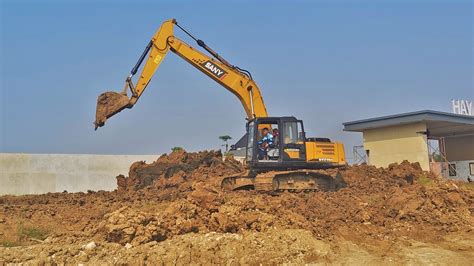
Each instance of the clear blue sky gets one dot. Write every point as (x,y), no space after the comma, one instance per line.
(323,62)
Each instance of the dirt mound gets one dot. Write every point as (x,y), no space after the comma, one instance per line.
(179,197)
(126,225)
(177,168)
(376,201)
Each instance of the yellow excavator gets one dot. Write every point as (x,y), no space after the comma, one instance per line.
(278,154)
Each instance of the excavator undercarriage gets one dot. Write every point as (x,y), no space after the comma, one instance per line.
(296,180)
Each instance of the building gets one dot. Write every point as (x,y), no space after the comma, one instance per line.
(415,136)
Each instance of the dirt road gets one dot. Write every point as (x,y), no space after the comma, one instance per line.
(173,211)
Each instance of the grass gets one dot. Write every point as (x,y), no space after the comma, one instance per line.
(425,181)
(31,232)
(373,199)
(8,244)
(468,185)
(24,235)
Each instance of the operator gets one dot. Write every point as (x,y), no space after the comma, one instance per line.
(276,135)
(264,143)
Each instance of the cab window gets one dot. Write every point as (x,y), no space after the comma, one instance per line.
(292,132)
(250,140)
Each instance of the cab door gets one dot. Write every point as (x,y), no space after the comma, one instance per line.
(293,141)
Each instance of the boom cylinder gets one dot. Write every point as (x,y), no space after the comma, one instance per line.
(142,57)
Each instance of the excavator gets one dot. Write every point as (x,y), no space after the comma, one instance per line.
(291,161)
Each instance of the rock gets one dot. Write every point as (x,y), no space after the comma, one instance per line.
(455,199)
(437,201)
(128,246)
(412,205)
(90,246)
(365,216)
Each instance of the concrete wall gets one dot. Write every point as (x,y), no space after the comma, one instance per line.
(462,169)
(459,148)
(41,173)
(397,143)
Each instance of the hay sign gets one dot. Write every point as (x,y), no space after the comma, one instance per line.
(462,107)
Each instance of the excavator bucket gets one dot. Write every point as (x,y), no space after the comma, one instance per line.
(108,104)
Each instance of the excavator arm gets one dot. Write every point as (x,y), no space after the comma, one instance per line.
(234,79)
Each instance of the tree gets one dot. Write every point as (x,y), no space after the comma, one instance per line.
(176,149)
(225,138)
(437,157)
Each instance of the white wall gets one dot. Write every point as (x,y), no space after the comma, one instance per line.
(395,144)
(462,170)
(41,173)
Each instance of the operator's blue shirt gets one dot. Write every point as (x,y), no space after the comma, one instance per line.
(268,139)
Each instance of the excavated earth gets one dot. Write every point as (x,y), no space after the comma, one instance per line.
(109,103)
(173,211)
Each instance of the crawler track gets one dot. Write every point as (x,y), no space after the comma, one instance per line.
(299,180)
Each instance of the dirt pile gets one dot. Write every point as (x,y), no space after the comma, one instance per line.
(383,202)
(178,198)
(126,225)
(171,171)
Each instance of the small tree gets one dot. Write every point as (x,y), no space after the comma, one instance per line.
(225,138)
(176,149)
(437,157)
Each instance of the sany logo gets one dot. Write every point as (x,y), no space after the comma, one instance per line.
(214,69)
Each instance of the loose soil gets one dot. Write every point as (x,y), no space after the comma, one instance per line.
(173,211)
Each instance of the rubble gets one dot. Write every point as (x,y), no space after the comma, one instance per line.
(178,197)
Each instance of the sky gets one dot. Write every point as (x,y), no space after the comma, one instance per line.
(326,62)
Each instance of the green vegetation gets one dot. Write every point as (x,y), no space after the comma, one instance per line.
(24,235)
(425,181)
(437,157)
(228,156)
(31,232)
(468,185)
(177,149)
(373,199)
(8,243)
(225,139)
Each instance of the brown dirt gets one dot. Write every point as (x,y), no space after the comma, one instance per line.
(173,211)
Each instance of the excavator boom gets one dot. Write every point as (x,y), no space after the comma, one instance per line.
(234,79)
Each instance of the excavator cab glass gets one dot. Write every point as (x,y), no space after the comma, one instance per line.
(250,140)
(293,140)
(273,141)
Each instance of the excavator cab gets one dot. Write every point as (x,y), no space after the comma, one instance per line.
(288,149)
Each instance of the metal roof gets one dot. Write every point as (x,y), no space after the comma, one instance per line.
(438,123)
